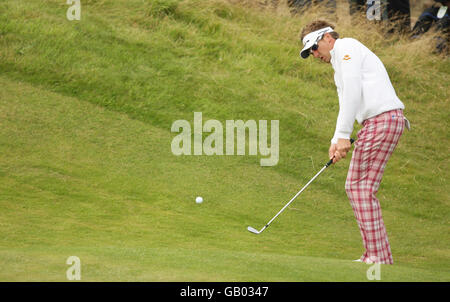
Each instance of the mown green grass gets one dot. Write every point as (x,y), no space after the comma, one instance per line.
(86,169)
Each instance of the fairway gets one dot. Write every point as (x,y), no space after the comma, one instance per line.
(87,170)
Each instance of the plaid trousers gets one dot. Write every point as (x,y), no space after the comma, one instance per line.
(375,144)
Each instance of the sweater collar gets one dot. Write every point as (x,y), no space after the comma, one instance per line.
(333,51)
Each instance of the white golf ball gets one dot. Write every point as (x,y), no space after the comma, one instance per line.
(199,199)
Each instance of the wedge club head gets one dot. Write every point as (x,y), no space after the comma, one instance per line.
(255,231)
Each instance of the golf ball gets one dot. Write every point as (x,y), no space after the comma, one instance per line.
(199,199)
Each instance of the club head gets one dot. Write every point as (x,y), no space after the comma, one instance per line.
(252,230)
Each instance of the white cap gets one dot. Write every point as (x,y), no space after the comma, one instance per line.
(312,38)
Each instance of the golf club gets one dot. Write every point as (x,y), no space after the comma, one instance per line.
(255,231)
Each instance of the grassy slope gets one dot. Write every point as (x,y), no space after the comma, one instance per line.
(86,109)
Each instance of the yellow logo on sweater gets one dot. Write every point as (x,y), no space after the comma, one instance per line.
(347,57)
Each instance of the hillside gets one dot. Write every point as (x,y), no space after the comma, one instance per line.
(86,109)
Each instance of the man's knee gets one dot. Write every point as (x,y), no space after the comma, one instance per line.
(350,188)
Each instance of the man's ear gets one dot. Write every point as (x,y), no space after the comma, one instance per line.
(327,37)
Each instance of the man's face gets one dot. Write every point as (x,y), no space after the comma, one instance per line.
(323,51)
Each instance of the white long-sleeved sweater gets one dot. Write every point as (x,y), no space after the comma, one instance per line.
(363,86)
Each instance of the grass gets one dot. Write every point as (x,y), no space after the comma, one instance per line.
(86,169)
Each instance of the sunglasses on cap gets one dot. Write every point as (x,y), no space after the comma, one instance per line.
(311,40)
(316,44)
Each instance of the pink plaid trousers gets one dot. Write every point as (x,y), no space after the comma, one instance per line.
(375,144)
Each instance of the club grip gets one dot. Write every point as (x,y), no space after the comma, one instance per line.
(331,160)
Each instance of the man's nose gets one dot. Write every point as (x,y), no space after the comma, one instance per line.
(315,53)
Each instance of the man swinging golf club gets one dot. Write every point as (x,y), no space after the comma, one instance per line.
(366,94)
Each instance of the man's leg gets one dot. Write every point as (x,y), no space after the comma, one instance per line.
(376,142)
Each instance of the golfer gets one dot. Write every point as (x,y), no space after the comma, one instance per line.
(365,94)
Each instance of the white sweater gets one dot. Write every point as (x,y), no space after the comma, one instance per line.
(363,86)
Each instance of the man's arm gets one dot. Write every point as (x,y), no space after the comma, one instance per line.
(351,64)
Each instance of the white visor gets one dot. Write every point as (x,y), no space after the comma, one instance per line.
(312,38)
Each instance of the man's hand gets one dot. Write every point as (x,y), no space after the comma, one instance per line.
(339,150)
(332,150)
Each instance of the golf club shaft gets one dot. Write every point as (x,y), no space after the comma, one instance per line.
(299,192)
(296,195)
